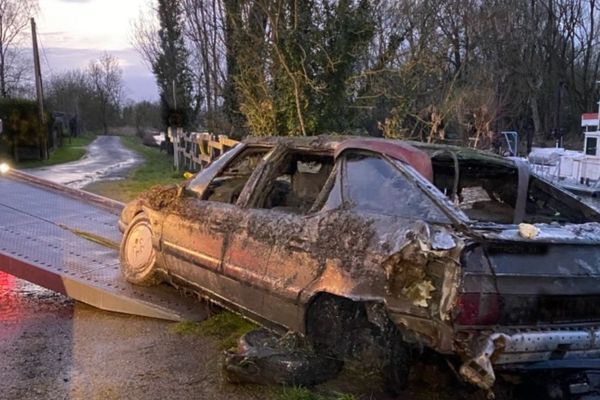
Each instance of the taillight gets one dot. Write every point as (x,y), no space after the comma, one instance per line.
(479,309)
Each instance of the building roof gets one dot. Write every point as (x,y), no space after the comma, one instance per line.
(589,116)
(589,119)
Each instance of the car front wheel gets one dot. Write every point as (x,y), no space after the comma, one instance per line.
(137,255)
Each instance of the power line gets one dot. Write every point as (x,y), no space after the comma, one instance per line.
(45,56)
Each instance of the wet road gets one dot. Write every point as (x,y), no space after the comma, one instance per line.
(106,159)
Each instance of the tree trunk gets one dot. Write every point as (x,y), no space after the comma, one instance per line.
(535,115)
(2,75)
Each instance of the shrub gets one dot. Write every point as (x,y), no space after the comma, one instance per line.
(21,126)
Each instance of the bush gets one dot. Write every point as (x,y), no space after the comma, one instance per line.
(21,126)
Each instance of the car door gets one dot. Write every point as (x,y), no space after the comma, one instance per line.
(271,250)
(194,234)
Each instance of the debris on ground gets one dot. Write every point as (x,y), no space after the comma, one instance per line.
(264,358)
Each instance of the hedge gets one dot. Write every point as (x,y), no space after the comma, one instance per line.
(21,126)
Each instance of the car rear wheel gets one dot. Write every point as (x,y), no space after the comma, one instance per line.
(348,330)
(137,255)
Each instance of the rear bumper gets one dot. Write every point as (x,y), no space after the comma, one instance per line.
(530,349)
(535,346)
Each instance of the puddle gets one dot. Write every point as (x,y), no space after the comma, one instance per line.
(19,298)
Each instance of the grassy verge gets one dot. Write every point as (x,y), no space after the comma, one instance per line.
(70,151)
(225,326)
(157,169)
(300,393)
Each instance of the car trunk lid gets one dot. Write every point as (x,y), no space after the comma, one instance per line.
(552,278)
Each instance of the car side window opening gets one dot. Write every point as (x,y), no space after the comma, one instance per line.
(296,182)
(372,184)
(227,185)
(488,191)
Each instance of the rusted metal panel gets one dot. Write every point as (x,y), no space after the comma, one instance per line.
(418,159)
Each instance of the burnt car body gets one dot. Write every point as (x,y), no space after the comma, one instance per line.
(432,238)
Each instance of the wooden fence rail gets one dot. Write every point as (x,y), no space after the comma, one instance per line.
(194,150)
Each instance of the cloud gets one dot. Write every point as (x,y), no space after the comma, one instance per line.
(139,81)
(88,23)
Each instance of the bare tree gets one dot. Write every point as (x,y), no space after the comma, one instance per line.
(107,85)
(144,34)
(14,21)
(204,30)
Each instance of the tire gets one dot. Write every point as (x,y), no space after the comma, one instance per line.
(396,368)
(137,255)
(340,328)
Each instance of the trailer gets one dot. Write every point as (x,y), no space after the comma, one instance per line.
(67,240)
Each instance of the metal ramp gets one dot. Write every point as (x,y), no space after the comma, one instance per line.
(45,232)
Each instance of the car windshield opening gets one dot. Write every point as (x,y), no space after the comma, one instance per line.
(487,191)
(375,185)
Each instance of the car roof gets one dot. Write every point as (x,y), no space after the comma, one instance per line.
(336,145)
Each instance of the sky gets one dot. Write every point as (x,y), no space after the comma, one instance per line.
(73,32)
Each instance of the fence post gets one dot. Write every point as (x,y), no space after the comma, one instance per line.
(174,140)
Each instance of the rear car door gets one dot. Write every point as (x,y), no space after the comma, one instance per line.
(271,250)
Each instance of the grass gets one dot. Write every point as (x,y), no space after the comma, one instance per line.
(70,151)
(157,169)
(225,326)
(301,393)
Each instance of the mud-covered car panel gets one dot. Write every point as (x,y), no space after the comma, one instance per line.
(366,220)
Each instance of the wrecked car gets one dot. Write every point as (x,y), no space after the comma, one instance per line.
(415,245)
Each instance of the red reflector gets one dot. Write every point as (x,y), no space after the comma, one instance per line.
(478,309)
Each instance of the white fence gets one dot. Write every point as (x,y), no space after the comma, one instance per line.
(194,150)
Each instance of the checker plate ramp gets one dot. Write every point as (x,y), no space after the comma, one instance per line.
(39,222)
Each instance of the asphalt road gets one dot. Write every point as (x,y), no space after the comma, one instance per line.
(106,158)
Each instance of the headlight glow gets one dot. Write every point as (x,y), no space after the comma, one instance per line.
(4,168)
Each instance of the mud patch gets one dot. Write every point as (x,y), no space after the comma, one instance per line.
(159,197)
(263,358)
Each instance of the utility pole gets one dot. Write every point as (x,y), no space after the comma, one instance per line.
(39,90)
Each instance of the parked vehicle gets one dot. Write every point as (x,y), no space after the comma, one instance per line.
(453,249)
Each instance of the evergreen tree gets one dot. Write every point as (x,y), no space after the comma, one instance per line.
(294,69)
(232,37)
(170,67)
(348,31)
